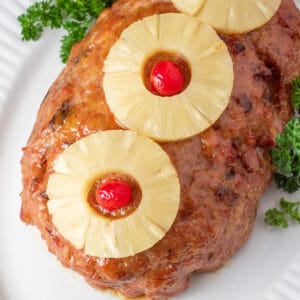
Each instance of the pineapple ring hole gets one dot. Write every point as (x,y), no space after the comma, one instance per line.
(120,212)
(173,57)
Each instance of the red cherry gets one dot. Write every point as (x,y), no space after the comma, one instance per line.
(113,194)
(166,78)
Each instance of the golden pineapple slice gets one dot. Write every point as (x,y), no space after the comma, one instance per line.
(126,152)
(189,7)
(231,16)
(180,116)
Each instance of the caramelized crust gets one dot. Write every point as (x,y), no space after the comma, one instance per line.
(223,171)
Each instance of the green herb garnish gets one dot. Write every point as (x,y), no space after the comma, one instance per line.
(288,211)
(286,157)
(75,17)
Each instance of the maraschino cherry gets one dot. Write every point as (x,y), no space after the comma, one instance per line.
(113,194)
(166,78)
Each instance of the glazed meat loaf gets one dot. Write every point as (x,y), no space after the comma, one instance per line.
(223,171)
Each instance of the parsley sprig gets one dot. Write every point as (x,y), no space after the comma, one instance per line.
(286,157)
(288,211)
(75,17)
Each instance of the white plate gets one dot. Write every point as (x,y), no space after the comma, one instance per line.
(267,267)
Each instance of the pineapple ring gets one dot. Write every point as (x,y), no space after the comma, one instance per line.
(100,153)
(230,16)
(190,7)
(183,115)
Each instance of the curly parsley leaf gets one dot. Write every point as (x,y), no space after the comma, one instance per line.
(37,17)
(286,157)
(75,33)
(288,211)
(74,16)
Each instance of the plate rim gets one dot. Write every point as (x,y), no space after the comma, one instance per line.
(8,39)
